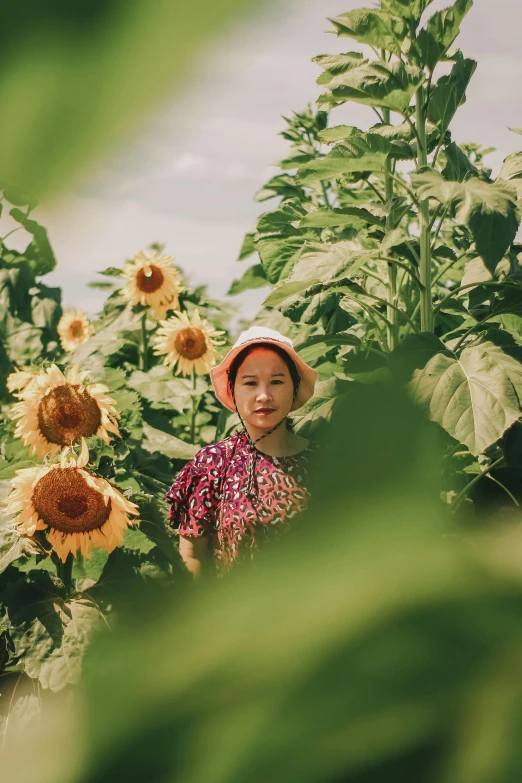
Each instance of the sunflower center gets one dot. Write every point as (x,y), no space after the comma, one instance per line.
(190,343)
(149,279)
(67,414)
(64,501)
(76,329)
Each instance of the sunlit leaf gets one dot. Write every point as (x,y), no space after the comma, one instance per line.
(375,28)
(449,93)
(391,86)
(435,39)
(474,397)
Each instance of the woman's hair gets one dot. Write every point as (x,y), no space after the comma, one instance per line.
(242,355)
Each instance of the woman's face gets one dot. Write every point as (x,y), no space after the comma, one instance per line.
(263,382)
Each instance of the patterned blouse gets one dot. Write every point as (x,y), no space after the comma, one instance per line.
(281,487)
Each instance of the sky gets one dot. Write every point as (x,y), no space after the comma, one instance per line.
(188,176)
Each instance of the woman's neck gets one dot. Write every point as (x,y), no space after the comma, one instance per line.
(280,443)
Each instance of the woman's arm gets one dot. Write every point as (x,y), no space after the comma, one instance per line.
(194,552)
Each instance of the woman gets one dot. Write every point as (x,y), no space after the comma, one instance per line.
(232,496)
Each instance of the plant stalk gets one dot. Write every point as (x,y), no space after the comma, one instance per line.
(464,492)
(144,343)
(426,305)
(194,407)
(64,572)
(391,312)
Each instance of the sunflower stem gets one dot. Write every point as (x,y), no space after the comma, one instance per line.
(64,572)
(144,343)
(194,407)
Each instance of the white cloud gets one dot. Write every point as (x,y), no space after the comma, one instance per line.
(236,171)
(191,165)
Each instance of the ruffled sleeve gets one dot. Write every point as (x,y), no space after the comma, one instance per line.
(194,495)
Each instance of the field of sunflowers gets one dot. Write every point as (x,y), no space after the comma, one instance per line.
(379,641)
(103,416)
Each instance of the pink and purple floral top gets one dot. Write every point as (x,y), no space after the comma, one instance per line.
(281,487)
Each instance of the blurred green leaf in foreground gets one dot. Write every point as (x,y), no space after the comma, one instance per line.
(75,76)
(376,643)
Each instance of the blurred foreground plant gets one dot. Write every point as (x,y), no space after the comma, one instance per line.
(369,646)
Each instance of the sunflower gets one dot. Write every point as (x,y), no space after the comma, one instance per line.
(153,282)
(19,381)
(74,328)
(187,343)
(58,410)
(78,510)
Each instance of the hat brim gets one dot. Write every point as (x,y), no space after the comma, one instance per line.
(219,376)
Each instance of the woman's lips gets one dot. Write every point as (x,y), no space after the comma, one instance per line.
(265,410)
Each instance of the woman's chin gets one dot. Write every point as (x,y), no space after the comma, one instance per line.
(263,420)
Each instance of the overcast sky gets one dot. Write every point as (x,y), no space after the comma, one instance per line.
(188,177)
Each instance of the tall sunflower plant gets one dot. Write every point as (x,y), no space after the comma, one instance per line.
(89,446)
(397,247)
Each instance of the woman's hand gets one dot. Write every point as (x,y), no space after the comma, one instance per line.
(194,553)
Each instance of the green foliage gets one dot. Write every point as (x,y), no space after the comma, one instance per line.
(400,252)
(29,309)
(383,649)
(163,420)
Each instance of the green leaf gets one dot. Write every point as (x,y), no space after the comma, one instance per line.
(13,546)
(379,29)
(508,301)
(102,285)
(458,166)
(49,634)
(413,354)
(338,63)
(361,153)
(512,166)
(160,387)
(282,185)
(282,292)
(136,540)
(19,199)
(152,524)
(389,86)
(409,9)
(248,247)
(279,256)
(475,271)
(320,263)
(474,397)
(90,567)
(315,346)
(441,30)
(449,93)
(254,277)
(63,666)
(339,133)
(308,310)
(348,216)
(489,209)
(157,440)
(111,271)
(279,241)
(39,252)
(24,342)
(46,313)
(328,394)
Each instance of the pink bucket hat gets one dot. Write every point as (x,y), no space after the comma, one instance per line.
(262,334)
